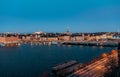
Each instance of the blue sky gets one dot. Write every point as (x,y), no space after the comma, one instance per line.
(57,15)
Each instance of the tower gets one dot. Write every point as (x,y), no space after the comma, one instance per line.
(68,31)
(41,31)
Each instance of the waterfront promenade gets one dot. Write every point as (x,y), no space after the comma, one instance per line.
(96,69)
(91,43)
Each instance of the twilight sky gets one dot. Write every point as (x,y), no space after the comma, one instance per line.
(57,15)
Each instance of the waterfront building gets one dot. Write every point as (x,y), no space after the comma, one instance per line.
(40,32)
(109,36)
(52,39)
(98,37)
(23,37)
(43,39)
(64,38)
(83,36)
(36,36)
(88,37)
(116,37)
(28,37)
(9,40)
(104,36)
(77,38)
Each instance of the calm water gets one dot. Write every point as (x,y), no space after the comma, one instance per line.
(32,61)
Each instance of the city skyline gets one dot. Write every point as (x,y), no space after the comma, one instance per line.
(56,16)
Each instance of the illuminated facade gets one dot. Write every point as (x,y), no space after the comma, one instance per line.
(52,39)
(64,38)
(8,40)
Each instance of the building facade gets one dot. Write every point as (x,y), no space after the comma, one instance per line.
(8,40)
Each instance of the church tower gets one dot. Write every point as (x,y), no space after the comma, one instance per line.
(41,31)
(68,31)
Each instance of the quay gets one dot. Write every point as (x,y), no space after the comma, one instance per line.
(9,44)
(40,42)
(66,64)
(83,43)
(9,41)
(91,44)
(66,68)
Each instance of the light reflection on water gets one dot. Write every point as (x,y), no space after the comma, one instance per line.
(33,60)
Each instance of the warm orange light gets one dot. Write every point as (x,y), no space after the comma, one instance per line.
(99,67)
(104,55)
(113,51)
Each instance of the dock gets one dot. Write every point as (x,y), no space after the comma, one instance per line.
(66,64)
(66,68)
(91,44)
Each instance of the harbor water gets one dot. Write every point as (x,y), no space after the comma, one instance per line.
(37,60)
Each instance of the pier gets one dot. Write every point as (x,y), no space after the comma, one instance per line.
(66,64)
(107,44)
(66,68)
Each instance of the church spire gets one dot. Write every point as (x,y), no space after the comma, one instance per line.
(68,30)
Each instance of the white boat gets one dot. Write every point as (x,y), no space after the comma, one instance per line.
(54,43)
(1,44)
